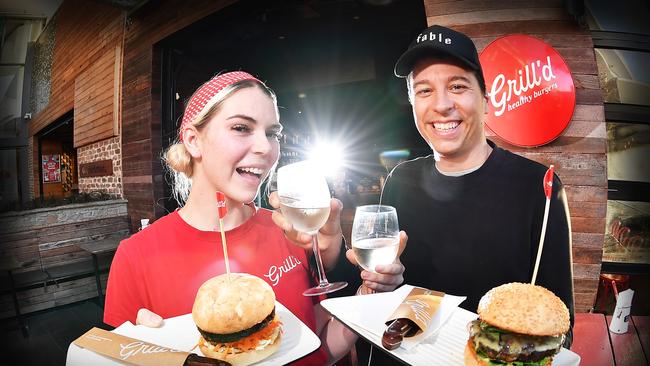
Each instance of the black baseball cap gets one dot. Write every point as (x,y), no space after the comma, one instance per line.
(440,41)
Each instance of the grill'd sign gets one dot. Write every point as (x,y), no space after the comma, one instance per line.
(531,94)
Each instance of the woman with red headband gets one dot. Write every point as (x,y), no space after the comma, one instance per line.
(228,142)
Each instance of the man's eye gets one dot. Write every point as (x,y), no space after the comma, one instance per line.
(457,87)
(423,92)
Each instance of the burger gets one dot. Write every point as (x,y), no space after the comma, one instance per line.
(237,319)
(519,324)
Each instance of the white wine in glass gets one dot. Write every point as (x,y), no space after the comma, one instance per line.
(305,202)
(306,219)
(375,235)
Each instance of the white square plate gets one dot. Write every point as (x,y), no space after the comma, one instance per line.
(446,348)
(180,333)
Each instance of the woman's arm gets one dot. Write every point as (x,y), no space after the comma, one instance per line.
(336,337)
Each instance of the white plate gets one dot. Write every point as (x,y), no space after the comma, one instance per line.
(180,333)
(444,349)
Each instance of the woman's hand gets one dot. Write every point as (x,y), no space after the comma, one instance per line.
(388,276)
(148,318)
(329,236)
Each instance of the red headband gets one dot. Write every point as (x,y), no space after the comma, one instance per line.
(207,91)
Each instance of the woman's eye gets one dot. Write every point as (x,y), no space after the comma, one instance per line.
(274,134)
(241,128)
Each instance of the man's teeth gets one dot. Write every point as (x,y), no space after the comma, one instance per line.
(256,171)
(446,126)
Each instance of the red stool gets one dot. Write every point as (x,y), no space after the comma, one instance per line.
(613,283)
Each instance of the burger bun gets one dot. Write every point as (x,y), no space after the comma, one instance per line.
(226,306)
(524,308)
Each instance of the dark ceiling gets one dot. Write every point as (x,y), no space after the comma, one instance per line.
(338,53)
(277,39)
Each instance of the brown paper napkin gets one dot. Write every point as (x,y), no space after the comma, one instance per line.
(420,306)
(129,350)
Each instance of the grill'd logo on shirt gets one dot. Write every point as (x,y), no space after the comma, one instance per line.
(275,272)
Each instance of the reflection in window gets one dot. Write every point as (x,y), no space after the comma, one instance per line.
(628,148)
(629,16)
(623,76)
(627,237)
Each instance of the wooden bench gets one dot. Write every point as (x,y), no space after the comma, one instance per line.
(18,277)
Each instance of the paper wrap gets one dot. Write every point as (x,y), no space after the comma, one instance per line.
(420,306)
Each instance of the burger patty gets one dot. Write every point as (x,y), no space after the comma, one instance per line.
(233,337)
(498,344)
(531,357)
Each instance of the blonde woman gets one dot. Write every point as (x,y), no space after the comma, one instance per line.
(228,142)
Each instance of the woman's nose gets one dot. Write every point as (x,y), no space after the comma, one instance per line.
(261,143)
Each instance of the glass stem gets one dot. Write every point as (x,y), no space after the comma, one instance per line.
(322,279)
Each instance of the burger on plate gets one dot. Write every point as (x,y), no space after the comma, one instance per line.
(519,324)
(237,319)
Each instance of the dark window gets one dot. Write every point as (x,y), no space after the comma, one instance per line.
(621,37)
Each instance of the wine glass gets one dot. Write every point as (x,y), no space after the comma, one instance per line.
(305,202)
(375,235)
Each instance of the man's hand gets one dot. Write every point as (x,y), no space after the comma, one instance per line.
(148,318)
(388,276)
(329,236)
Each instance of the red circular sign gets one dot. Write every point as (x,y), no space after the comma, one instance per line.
(530,90)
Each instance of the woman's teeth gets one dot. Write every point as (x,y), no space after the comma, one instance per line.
(254,171)
(446,126)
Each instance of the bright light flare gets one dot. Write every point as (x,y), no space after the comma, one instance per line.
(328,156)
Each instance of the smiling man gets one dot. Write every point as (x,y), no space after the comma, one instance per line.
(473,211)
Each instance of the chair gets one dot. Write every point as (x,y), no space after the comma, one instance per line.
(611,283)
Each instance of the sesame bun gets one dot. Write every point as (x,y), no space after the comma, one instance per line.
(221,307)
(524,308)
(241,359)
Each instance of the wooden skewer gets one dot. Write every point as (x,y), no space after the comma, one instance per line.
(222,210)
(225,249)
(548,189)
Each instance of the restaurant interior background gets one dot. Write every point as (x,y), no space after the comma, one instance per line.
(352,99)
(330,64)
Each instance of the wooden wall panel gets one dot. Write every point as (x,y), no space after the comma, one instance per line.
(141,144)
(85,31)
(97,99)
(580,153)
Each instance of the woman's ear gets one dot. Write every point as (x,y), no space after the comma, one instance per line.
(192,141)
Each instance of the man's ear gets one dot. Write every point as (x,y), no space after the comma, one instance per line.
(192,141)
(486,104)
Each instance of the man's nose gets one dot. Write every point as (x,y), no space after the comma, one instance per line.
(443,102)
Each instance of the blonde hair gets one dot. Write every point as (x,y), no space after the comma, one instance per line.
(178,160)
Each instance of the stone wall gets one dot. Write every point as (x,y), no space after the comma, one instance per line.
(103,150)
